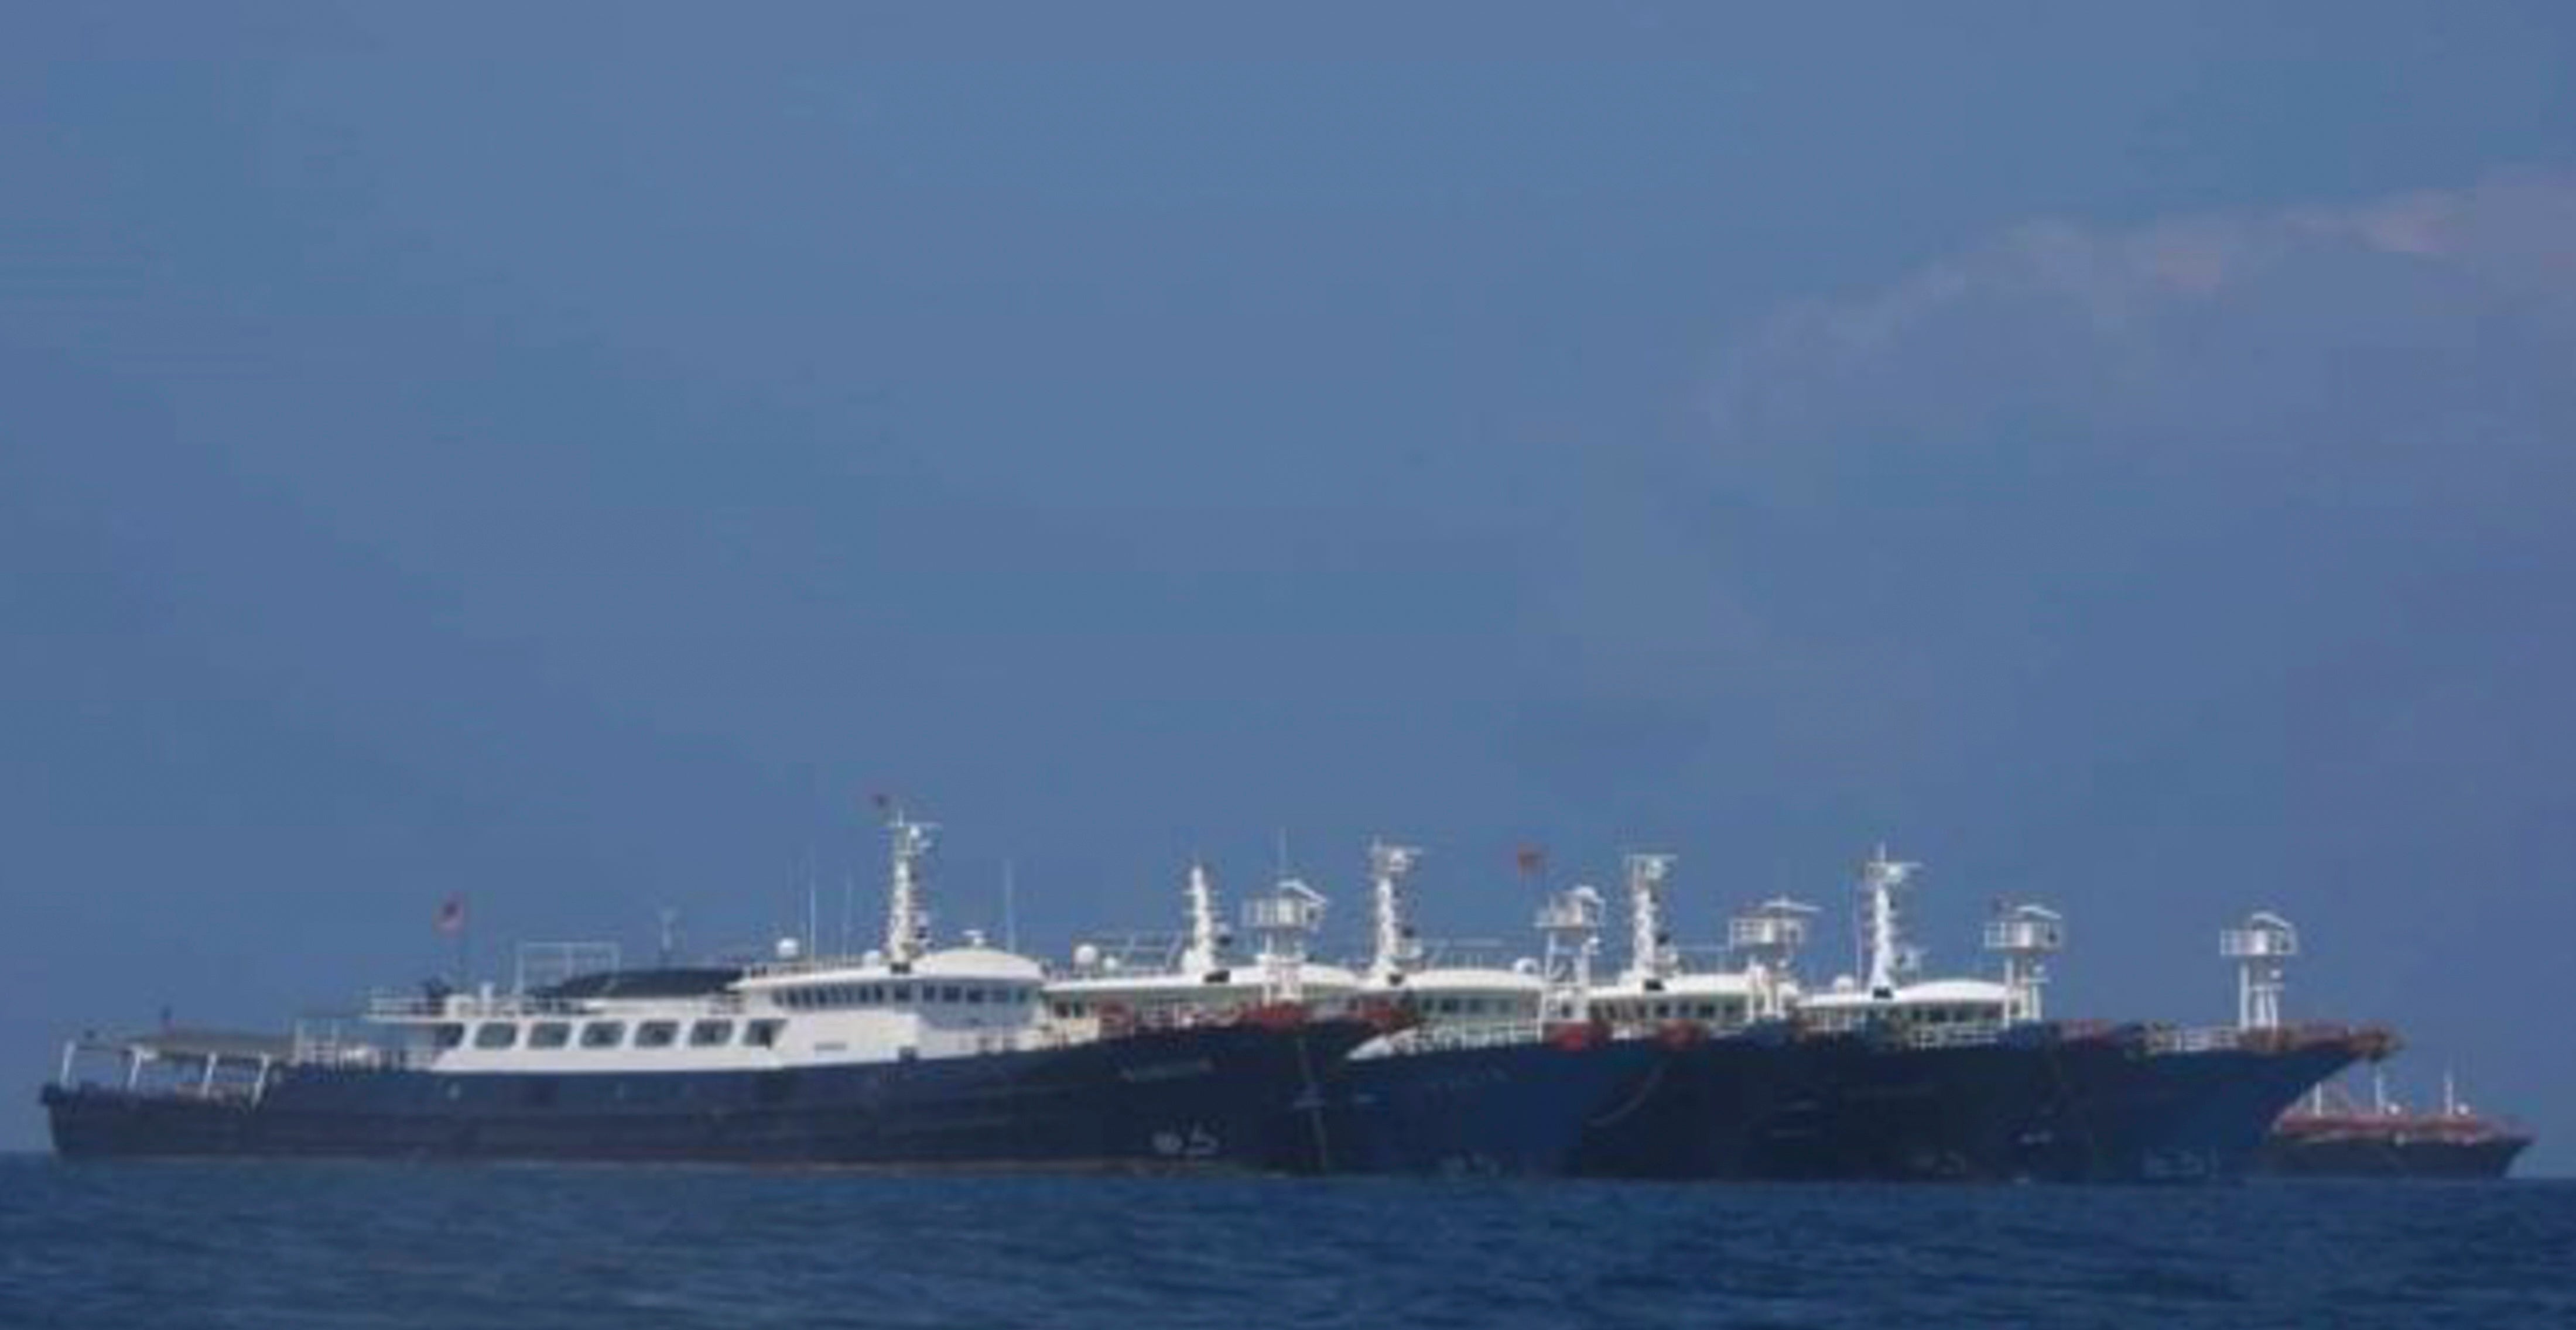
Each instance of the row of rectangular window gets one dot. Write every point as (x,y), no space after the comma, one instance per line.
(1475,1006)
(901,994)
(611,1034)
(1846,1018)
(1664,1011)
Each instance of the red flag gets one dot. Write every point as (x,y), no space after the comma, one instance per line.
(451,915)
(1531,859)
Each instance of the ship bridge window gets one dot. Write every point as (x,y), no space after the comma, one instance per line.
(763,1033)
(447,1034)
(975,997)
(603,1034)
(549,1034)
(948,992)
(710,1034)
(496,1034)
(657,1034)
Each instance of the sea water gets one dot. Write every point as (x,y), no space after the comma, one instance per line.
(133,1245)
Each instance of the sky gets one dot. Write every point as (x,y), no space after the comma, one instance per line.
(571,458)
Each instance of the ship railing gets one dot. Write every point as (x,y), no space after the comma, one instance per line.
(1968,1034)
(2365,1040)
(468,1006)
(354,1055)
(2194,1039)
(813,964)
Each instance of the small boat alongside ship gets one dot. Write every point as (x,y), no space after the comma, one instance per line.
(2329,1135)
(1182,1056)
(2155,1103)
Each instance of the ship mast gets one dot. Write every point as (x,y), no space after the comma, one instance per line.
(1880,879)
(1206,952)
(1650,953)
(907,932)
(1395,951)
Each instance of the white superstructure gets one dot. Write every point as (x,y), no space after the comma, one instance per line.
(1117,986)
(1454,1002)
(1655,991)
(909,1000)
(1892,998)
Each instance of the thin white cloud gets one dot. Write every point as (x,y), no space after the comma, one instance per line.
(2018,485)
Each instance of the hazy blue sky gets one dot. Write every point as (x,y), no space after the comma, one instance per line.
(569,455)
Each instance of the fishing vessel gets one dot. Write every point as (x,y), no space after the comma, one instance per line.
(1178,1054)
(1470,1077)
(1893,1076)
(2158,1103)
(1899,1079)
(2328,1134)
(913,1054)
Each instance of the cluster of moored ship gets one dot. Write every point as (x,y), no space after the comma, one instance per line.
(968,1054)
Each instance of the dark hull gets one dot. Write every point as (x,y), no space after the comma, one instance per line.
(1522,1109)
(1205,1097)
(1770,1105)
(2121,1111)
(2379,1155)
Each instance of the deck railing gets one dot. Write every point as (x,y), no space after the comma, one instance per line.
(417,1007)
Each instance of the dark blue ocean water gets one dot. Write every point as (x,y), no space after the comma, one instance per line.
(388,1245)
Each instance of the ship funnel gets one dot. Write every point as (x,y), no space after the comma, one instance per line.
(2262,949)
(2025,936)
